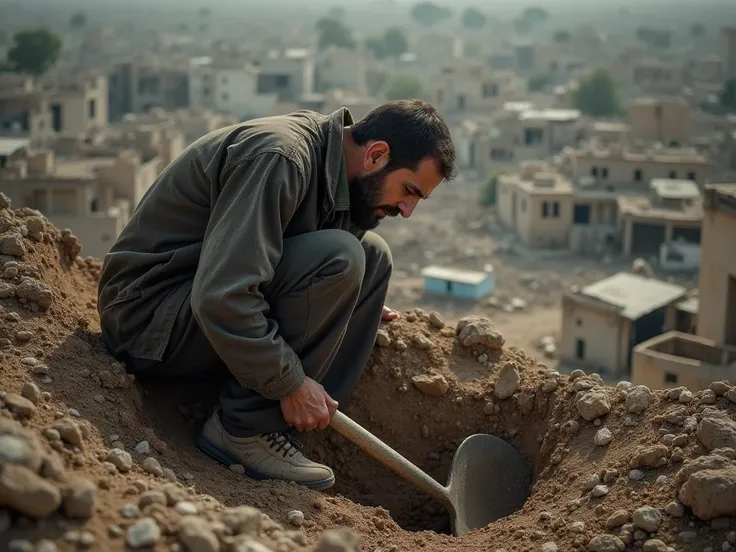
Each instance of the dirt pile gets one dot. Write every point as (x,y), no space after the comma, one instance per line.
(93,459)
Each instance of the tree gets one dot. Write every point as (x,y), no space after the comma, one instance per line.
(489,193)
(34,51)
(562,37)
(728,94)
(405,86)
(537,83)
(392,43)
(78,20)
(429,14)
(473,19)
(597,95)
(697,30)
(333,32)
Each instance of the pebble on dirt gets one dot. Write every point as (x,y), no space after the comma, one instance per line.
(432,385)
(296,518)
(606,543)
(603,437)
(152,466)
(79,498)
(508,382)
(647,518)
(24,491)
(197,536)
(120,459)
(144,532)
(594,404)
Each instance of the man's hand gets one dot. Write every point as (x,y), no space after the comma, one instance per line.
(389,314)
(309,407)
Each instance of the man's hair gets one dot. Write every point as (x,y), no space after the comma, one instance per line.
(414,130)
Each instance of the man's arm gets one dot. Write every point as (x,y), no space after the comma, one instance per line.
(242,246)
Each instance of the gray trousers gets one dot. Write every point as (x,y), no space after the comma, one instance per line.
(330,322)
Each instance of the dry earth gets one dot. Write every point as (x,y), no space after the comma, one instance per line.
(91,459)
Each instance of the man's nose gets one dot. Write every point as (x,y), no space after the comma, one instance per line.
(407,207)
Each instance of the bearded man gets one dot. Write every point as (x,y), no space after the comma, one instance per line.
(252,255)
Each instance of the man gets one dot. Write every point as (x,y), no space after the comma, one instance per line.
(252,254)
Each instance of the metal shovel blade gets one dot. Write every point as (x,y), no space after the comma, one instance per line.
(488,480)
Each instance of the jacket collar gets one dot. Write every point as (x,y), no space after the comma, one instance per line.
(338,193)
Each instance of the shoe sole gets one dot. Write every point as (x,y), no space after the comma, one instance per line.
(224,458)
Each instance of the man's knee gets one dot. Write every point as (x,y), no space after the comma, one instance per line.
(346,256)
(378,257)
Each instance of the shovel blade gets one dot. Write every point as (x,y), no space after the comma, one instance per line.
(489,480)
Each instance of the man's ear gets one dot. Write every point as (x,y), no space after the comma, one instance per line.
(376,156)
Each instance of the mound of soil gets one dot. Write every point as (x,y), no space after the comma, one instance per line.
(91,458)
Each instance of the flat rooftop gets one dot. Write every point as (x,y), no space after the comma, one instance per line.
(675,189)
(9,145)
(634,295)
(552,115)
(641,206)
(461,276)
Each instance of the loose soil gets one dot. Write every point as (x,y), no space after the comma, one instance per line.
(541,419)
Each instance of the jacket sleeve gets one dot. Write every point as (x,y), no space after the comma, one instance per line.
(242,246)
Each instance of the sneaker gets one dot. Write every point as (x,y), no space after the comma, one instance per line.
(266,456)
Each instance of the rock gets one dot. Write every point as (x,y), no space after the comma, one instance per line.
(400,345)
(143,533)
(606,543)
(731,395)
(247,544)
(436,321)
(31,392)
(36,292)
(129,511)
(636,475)
(674,509)
(197,536)
(338,540)
(649,457)
(186,508)
(590,482)
(383,339)
(53,467)
(708,397)
(122,460)
(12,244)
(152,497)
(24,491)
(655,545)
(719,387)
(152,466)
(508,382)
(237,468)
(686,397)
(710,492)
(20,545)
(296,518)
(599,491)
(19,405)
(476,330)
(79,498)
(46,545)
(577,526)
(174,494)
(593,404)
(19,445)
(242,520)
(603,437)
(717,432)
(617,518)
(549,386)
(549,547)
(69,431)
(638,398)
(169,475)
(432,385)
(422,342)
(647,518)
(687,536)
(142,448)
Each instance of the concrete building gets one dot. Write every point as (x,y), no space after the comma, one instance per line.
(438,50)
(230,87)
(289,74)
(604,321)
(331,101)
(470,88)
(140,85)
(727,52)
(461,284)
(663,120)
(677,358)
(651,76)
(79,105)
(340,68)
(193,123)
(24,109)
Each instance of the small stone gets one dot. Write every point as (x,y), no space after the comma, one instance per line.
(709,492)
(593,404)
(129,511)
(603,437)
(549,386)
(242,520)
(296,518)
(508,381)
(606,543)
(649,457)
(152,497)
(79,498)
(120,459)
(19,405)
(69,431)
(24,491)
(590,482)
(400,345)
(143,533)
(152,466)
(20,545)
(186,508)
(31,392)
(237,468)
(717,432)
(655,545)
(476,330)
(340,540)
(719,387)
(169,475)
(483,358)
(29,361)
(143,448)
(661,480)
(708,397)
(110,468)
(687,536)
(638,398)
(577,526)
(647,518)
(436,320)
(617,518)
(422,342)
(51,434)
(599,491)
(432,385)
(674,509)
(549,547)
(686,397)
(115,531)
(383,339)
(46,545)
(86,539)
(197,536)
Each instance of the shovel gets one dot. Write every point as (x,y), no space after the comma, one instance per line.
(488,480)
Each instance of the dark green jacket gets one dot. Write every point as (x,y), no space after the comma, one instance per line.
(211,228)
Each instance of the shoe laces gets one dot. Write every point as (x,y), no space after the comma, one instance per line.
(283,442)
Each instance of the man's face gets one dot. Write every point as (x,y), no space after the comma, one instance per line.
(378,194)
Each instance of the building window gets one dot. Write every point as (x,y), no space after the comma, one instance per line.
(533,136)
(580,349)
(594,171)
(94,205)
(92,109)
(545,209)
(673,174)
(579,322)
(556,209)
(3,161)
(282,81)
(448,286)
(604,172)
(56,115)
(669,377)
(581,214)
(490,90)
(691,175)
(205,91)
(637,175)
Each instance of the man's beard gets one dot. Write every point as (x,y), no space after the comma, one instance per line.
(365,200)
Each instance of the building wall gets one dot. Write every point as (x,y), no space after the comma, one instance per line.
(622,171)
(661,120)
(552,229)
(343,69)
(717,268)
(606,336)
(236,93)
